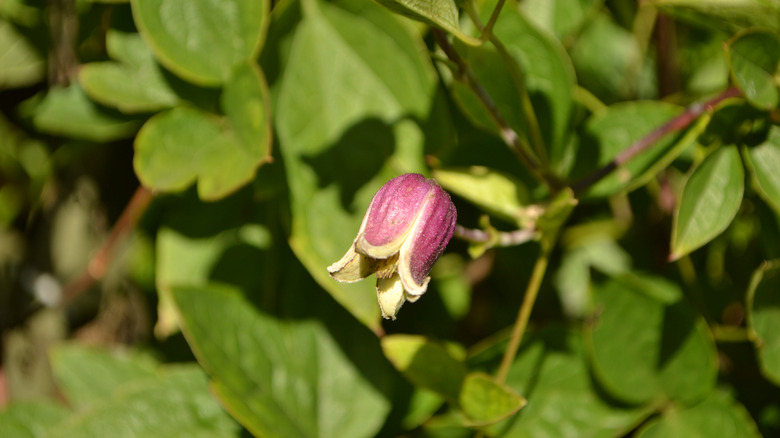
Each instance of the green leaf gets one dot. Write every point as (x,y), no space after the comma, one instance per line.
(430,366)
(562,17)
(610,62)
(763,162)
(31,419)
(754,57)
(133,84)
(203,42)
(184,145)
(718,416)
(763,305)
(551,371)
(89,375)
(354,79)
(610,132)
(710,200)
(544,69)
(729,15)
(439,13)
(426,364)
(68,112)
(177,403)
(279,378)
(485,401)
(647,346)
(20,64)
(496,192)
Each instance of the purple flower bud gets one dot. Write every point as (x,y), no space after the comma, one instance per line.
(406,228)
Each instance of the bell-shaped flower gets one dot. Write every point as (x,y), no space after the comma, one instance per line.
(406,228)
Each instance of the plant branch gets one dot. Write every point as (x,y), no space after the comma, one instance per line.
(487,31)
(510,137)
(505,238)
(676,124)
(531,291)
(99,264)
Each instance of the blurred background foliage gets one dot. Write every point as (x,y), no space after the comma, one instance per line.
(176,176)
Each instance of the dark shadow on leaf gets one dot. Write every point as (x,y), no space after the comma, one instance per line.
(354,159)
(679,324)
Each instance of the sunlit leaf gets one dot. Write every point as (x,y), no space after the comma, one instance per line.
(20,64)
(203,42)
(754,58)
(710,200)
(729,15)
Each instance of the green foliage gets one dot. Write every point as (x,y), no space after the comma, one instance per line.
(612,274)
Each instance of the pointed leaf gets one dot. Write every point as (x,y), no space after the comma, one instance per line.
(710,200)
(754,58)
(764,161)
(564,401)
(202,42)
(763,305)
(439,13)
(485,401)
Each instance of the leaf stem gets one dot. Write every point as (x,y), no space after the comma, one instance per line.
(487,31)
(676,124)
(531,292)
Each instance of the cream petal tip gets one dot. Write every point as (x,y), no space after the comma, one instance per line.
(390,295)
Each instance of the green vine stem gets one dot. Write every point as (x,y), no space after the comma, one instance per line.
(531,292)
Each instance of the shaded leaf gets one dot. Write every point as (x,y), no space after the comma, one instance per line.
(203,42)
(763,306)
(763,162)
(610,132)
(710,200)
(439,13)
(647,345)
(754,57)
(485,401)
(551,371)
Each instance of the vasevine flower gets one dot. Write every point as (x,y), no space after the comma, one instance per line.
(407,226)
